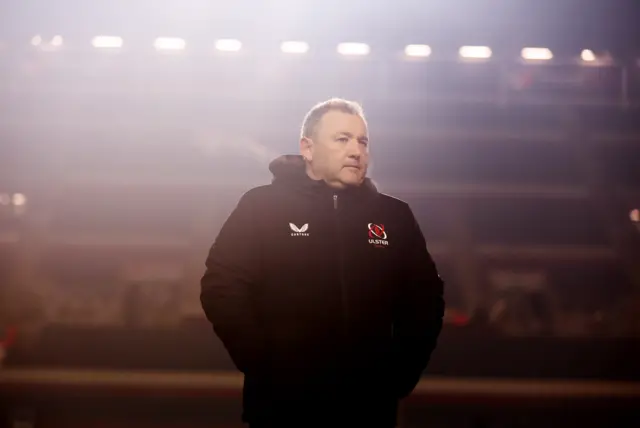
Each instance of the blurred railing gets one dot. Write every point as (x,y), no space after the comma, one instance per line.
(37,393)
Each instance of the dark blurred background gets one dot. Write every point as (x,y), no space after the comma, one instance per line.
(129,129)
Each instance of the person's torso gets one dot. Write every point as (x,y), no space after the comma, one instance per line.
(331,265)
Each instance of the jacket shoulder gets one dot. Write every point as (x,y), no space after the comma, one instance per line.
(396,207)
(393,202)
(257,194)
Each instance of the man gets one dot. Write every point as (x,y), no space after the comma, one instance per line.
(321,288)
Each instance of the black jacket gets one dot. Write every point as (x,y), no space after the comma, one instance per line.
(327,300)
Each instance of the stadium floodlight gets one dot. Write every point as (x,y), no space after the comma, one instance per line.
(475,52)
(417,51)
(228,45)
(587,55)
(19,199)
(54,44)
(107,42)
(353,49)
(536,54)
(293,47)
(169,44)
(57,41)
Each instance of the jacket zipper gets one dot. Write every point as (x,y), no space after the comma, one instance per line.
(343,284)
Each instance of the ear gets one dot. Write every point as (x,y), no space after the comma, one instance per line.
(306,148)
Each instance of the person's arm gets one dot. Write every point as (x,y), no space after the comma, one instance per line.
(418,314)
(233,269)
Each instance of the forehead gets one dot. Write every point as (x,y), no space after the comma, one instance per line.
(336,121)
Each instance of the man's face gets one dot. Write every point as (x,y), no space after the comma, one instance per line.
(338,151)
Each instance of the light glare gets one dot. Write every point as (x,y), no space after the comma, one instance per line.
(537,54)
(57,41)
(19,199)
(475,52)
(294,47)
(417,51)
(169,43)
(102,42)
(358,49)
(588,55)
(52,45)
(228,45)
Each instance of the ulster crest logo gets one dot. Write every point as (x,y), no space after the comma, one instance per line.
(377,235)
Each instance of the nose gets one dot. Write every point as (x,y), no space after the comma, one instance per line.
(354,150)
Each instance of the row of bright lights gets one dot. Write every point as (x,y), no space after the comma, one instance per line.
(299,47)
(17,199)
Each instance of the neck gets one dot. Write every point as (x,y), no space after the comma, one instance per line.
(311,173)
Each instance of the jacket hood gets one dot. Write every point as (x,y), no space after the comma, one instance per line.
(291,169)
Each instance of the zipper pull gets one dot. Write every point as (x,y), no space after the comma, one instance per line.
(335,202)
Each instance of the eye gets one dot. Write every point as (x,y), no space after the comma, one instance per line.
(343,139)
(364,142)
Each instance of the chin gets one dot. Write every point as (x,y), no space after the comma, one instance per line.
(348,178)
(349,182)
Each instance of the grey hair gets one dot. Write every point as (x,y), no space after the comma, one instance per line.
(317,112)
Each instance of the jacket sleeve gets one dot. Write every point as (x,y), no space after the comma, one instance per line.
(232,271)
(418,314)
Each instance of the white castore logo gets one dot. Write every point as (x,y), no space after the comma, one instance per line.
(299,231)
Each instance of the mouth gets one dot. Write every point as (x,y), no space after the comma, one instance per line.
(354,167)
